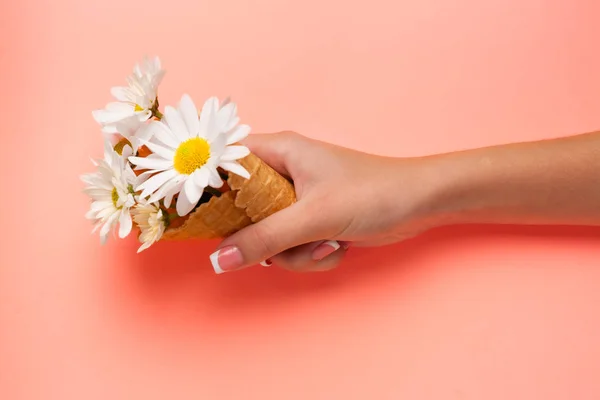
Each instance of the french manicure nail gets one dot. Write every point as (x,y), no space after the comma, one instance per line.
(266,263)
(226,259)
(325,249)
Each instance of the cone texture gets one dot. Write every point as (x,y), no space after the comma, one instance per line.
(249,201)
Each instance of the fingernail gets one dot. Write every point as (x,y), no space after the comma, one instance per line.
(266,263)
(226,259)
(325,249)
(345,245)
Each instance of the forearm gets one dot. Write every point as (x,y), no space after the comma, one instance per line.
(545,182)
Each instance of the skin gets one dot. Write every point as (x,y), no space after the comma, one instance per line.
(368,200)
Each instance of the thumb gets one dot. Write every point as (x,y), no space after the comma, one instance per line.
(276,149)
(281,231)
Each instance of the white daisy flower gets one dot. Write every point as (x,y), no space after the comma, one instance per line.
(111,190)
(187,151)
(133,131)
(152,223)
(137,99)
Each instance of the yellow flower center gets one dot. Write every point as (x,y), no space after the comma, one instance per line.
(115,197)
(138,108)
(119,146)
(191,155)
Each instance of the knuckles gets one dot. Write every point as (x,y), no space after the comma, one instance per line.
(263,241)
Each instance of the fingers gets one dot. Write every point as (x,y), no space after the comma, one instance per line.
(274,149)
(317,256)
(291,227)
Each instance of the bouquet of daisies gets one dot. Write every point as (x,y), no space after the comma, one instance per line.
(179,173)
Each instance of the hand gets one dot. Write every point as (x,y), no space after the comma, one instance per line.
(344,197)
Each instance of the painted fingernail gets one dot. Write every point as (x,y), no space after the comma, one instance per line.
(325,249)
(266,263)
(226,259)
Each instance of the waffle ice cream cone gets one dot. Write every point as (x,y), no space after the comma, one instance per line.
(249,201)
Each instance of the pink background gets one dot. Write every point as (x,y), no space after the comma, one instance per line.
(459,313)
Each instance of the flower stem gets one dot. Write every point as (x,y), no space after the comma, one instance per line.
(157,114)
(169,218)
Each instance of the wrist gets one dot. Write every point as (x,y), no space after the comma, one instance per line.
(456,189)
(423,193)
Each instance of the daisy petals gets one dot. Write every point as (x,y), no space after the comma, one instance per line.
(170,187)
(156,181)
(226,117)
(172,191)
(236,168)
(191,190)
(232,153)
(239,133)
(173,119)
(121,93)
(162,132)
(106,212)
(189,113)
(108,224)
(116,106)
(214,179)
(113,112)
(91,214)
(99,205)
(144,246)
(141,178)
(159,150)
(208,120)
(218,145)
(125,224)
(144,132)
(109,129)
(184,206)
(151,163)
